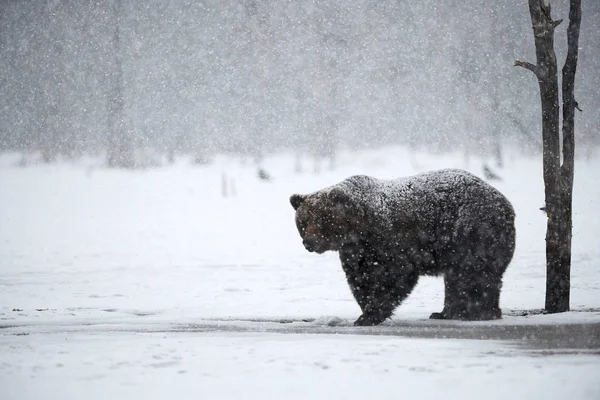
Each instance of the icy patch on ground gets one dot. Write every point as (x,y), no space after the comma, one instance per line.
(332,321)
(263,365)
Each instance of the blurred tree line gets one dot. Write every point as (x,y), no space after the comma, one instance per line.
(252,77)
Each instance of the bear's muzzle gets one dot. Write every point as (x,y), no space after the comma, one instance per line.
(309,244)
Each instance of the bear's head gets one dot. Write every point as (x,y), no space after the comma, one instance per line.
(326,219)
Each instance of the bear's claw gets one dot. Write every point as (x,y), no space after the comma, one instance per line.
(368,320)
(438,315)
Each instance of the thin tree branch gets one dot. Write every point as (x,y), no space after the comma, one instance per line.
(532,67)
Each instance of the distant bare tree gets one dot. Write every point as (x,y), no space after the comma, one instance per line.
(558,178)
(119,151)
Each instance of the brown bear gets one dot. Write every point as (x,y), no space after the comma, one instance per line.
(390,232)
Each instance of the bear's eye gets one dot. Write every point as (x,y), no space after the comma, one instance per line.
(303,227)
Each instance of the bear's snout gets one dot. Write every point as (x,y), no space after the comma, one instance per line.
(309,244)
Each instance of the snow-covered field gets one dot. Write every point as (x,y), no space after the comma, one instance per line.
(151,284)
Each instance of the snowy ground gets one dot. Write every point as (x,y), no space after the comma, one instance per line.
(151,284)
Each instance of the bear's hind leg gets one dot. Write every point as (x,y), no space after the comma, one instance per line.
(454,305)
(471,297)
(483,299)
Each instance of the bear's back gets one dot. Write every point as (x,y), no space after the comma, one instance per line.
(428,198)
(446,188)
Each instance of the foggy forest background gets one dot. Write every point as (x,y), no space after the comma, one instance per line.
(115,78)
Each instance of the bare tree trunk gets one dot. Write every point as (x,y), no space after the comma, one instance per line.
(119,151)
(558,180)
(559,300)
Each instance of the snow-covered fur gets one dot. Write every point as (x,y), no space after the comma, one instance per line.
(389,232)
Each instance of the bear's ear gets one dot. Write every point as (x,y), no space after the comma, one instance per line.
(296,200)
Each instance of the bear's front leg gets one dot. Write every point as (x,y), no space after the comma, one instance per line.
(378,285)
(386,290)
(352,257)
